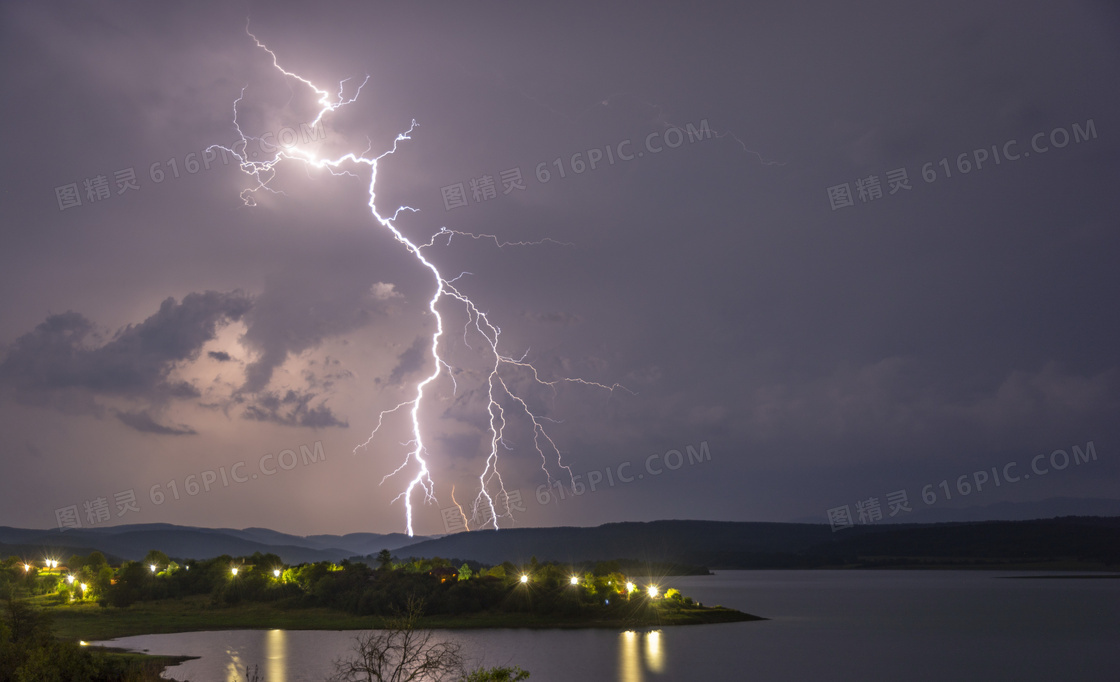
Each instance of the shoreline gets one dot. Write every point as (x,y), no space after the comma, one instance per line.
(701,616)
(101,625)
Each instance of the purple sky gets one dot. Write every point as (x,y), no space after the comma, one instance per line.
(825,353)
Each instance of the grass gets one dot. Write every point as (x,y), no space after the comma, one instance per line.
(90,622)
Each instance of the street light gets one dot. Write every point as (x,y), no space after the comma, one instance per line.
(276,572)
(153,567)
(575,580)
(629,587)
(653,591)
(70,579)
(524,578)
(234,570)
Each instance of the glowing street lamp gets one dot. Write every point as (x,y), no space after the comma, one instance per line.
(276,572)
(575,580)
(83,586)
(629,587)
(524,578)
(70,579)
(153,567)
(233,570)
(652,591)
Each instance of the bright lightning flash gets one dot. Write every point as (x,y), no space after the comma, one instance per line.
(263,172)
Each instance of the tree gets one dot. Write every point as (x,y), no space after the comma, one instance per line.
(402,653)
(384,560)
(96,561)
(25,623)
(465,572)
(156,558)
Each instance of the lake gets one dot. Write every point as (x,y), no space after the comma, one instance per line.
(824,625)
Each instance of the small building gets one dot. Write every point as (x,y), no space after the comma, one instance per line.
(444,574)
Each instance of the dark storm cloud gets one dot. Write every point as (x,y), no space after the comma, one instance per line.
(302,307)
(61,364)
(61,358)
(411,360)
(291,409)
(323,375)
(143,422)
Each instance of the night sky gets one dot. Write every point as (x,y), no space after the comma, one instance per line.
(770,255)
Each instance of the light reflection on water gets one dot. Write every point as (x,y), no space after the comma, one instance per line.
(639,653)
(628,669)
(239,660)
(276,656)
(655,659)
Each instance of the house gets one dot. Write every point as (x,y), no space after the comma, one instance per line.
(444,574)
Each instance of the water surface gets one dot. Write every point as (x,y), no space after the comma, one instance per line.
(824,625)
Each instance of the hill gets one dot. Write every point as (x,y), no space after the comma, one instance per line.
(1049,508)
(1084,541)
(1074,541)
(134,541)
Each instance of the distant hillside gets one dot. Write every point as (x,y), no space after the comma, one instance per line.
(1000,511)
(134,541)
(1074,539)
(787,545)
(709,543)
(38,553)
(1068,541)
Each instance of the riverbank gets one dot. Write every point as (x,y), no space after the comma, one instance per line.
(151,667)
(89,622)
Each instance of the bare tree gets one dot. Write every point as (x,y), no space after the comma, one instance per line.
(402,653)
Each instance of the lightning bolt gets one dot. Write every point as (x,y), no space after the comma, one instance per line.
(263,171)
(466,523)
